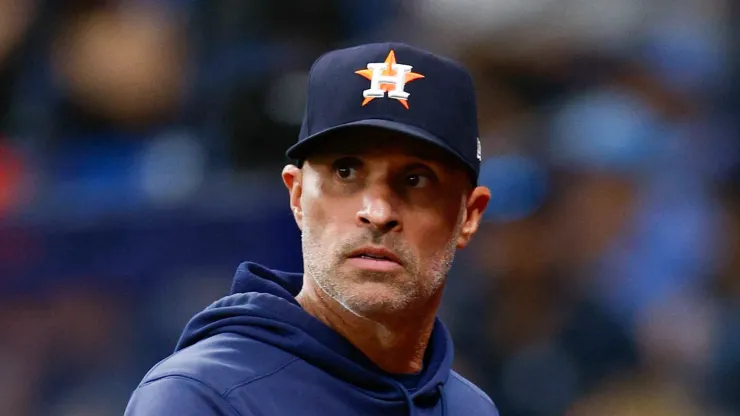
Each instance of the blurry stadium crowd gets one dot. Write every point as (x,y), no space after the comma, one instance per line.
(140,145)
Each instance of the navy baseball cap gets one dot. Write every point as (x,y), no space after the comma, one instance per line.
(396,87)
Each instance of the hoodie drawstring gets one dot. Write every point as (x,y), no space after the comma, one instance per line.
(412,407)
(409,402)
(442,399)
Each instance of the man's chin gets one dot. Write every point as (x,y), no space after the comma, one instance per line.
(374,298)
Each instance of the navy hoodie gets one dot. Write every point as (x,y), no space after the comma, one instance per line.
(257,352)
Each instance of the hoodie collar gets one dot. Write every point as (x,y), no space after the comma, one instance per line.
(262,306)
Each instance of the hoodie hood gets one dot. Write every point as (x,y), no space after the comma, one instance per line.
(262,307)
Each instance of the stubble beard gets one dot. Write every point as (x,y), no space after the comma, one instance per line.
(392,294)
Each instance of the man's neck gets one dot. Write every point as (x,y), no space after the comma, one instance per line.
(395,345)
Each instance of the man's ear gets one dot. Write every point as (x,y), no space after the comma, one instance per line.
(293,180)
(474,207)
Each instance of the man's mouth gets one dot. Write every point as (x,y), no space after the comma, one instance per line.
(376,254)
(370,256)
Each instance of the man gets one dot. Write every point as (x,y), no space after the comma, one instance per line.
(384,190)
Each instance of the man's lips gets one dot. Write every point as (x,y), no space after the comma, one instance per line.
(375,253)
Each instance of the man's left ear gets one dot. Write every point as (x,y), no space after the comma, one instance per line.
(474,207)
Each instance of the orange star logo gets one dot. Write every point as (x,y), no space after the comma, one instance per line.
(389,78)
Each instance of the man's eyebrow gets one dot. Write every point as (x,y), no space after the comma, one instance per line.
(420,165)
(431,157)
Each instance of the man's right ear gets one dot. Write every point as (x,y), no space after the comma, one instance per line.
(293,180)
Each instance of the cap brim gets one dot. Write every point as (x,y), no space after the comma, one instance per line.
(300,150)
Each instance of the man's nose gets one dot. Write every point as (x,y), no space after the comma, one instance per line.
(379,211)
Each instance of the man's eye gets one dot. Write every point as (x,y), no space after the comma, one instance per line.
(347,168)
(417,181)
(346,172)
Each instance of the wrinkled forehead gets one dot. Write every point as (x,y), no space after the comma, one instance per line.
(377,142)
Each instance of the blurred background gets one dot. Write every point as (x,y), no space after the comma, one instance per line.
(140,150)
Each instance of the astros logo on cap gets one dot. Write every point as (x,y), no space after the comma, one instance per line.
(390,77)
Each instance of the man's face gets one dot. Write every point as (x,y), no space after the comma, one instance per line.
(381,217)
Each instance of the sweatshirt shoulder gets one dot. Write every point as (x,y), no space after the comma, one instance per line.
(223,362)
(467,398)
